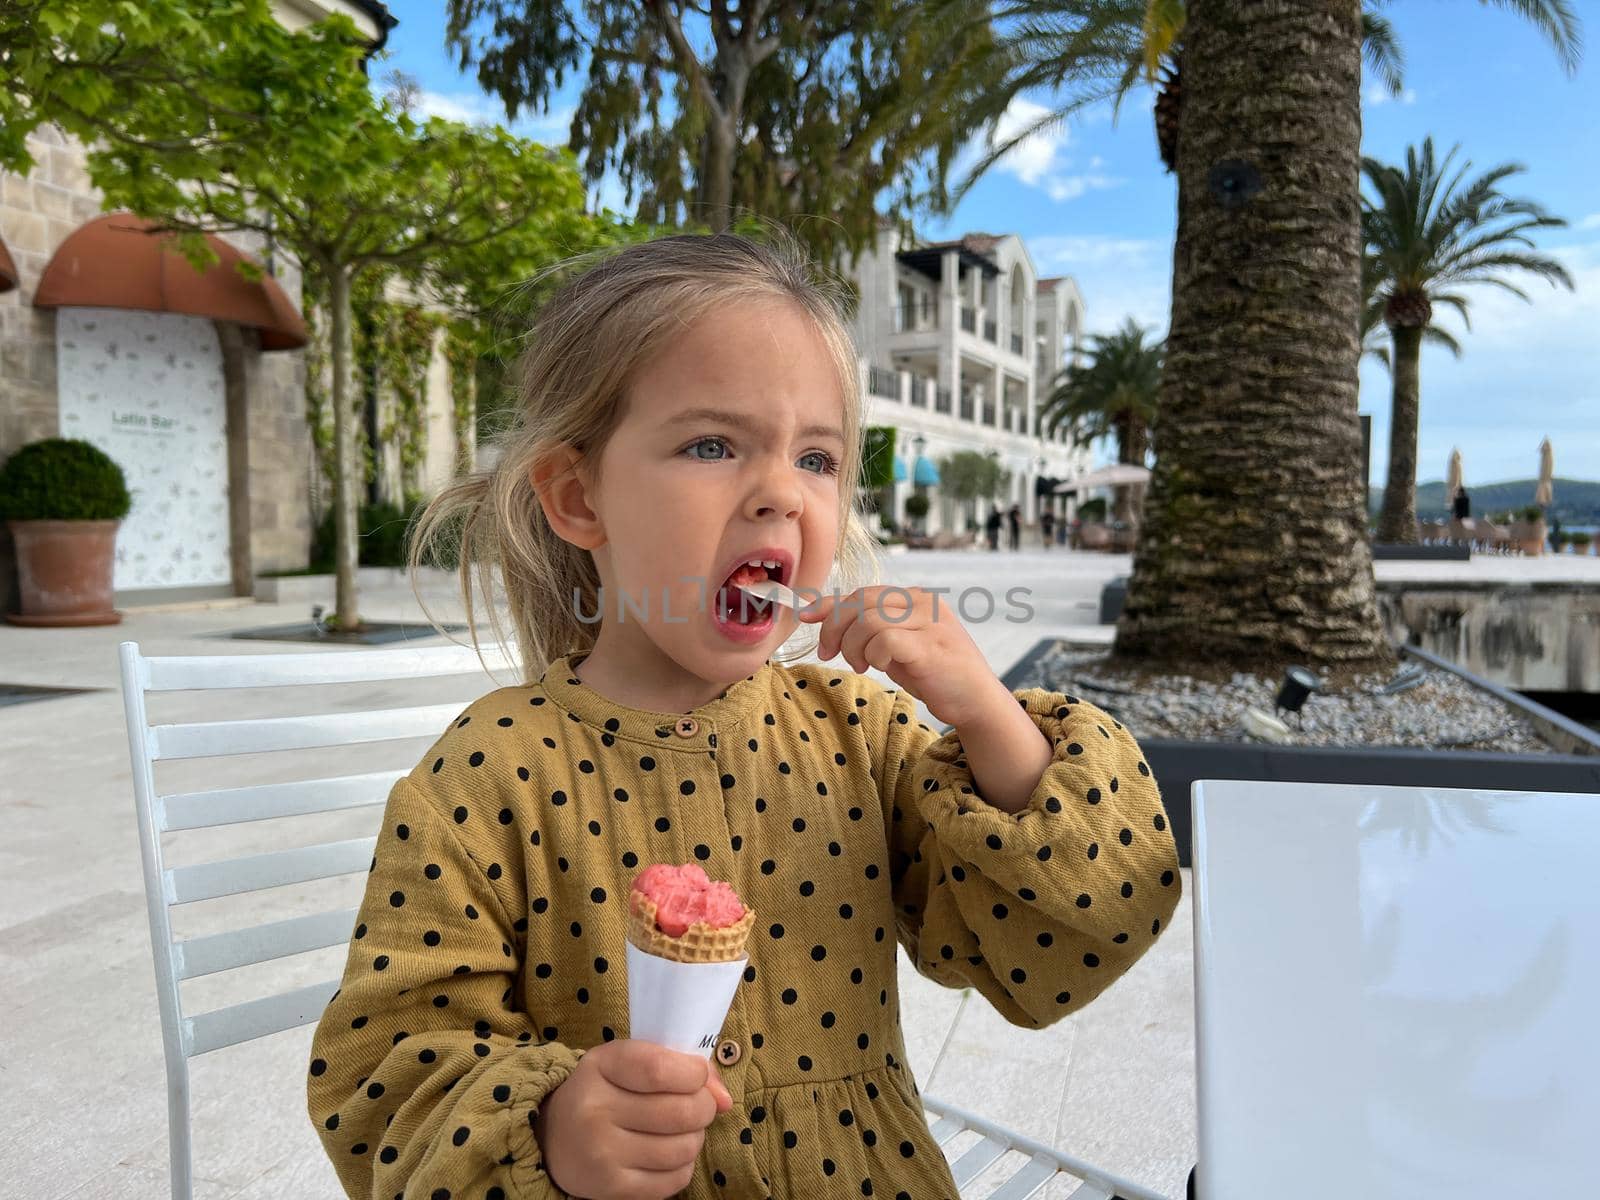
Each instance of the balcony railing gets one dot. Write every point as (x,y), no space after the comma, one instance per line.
(920,316)
(919,392)
(883,382)
(969,319)
(942,401)
(966,406)
(990,330)
(1016,343)
(988,412)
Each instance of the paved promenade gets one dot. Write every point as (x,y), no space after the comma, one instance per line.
(82,1108)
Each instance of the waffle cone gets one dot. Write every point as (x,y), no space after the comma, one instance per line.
(700,943)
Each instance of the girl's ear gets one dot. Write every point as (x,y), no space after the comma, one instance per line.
(559,480)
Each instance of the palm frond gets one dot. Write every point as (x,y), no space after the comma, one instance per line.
(1381,48)
(1556,20)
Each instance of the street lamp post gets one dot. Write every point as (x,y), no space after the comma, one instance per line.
(917,444)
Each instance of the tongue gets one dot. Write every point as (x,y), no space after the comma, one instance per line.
(740,607)
(747,574)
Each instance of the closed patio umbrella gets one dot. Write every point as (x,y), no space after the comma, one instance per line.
(1453,480)
(1108,476)
(1544,494)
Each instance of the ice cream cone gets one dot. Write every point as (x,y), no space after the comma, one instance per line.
(700,943)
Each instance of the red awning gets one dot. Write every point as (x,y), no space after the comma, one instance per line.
(115,261)
(8,269)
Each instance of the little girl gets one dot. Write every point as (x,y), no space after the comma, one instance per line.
(690,420)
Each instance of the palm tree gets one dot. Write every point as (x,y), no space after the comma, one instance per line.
(1113,394)
(1427,236)
(1255,544)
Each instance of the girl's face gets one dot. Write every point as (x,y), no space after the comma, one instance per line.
(728,450)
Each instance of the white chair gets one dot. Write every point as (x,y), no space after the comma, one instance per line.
(974,1146)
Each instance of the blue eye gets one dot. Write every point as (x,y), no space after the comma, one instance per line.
(830,465)
(703,441)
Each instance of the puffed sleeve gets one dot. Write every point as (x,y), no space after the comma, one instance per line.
(1040,910)
(424,1079)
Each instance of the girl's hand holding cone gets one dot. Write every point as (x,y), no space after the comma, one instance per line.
(629,1121)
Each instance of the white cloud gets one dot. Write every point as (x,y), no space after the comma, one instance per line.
(1592,221)
(477,108)
(1120,277)
(1039,161)
(1056,253)
(1378,93)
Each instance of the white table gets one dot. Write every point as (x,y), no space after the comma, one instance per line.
(1397,992)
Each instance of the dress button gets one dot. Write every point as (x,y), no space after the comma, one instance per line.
(686,727)
(728,1053)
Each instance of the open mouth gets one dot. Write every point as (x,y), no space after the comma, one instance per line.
(735,605)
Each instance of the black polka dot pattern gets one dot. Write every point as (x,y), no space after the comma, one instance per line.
(496,907)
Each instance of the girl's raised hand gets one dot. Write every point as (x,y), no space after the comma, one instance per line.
(914,639)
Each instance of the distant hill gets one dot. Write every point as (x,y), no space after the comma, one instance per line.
(1577,501)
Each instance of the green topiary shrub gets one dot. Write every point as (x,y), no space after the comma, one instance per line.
(1093,510)
(1532,512)
(62,479)
(917,505)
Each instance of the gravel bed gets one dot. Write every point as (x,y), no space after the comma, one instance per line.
(1439,711)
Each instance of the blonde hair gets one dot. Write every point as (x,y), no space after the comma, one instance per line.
(584,348)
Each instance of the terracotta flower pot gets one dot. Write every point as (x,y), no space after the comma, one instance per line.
(64,572)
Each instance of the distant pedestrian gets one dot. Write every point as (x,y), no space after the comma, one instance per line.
(1461,507)
(1047,526)
(1014,520)
(991,527)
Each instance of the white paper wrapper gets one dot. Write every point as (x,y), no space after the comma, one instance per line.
(680,1005)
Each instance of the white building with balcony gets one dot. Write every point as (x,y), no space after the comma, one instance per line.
(959,343)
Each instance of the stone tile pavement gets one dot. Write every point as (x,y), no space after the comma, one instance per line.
(82,1096)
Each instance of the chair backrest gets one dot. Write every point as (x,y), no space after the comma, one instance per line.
(185,1034)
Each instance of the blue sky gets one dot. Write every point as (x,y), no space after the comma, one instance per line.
(1092,200)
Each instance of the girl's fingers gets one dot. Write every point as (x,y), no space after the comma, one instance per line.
(886,647)
(657,1151)
(664,1112)
(838,614)
(889,612)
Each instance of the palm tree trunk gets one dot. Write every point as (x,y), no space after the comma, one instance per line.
(1255,543)
(1397,522)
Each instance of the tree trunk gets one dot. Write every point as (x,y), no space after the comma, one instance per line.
(467,448)
(1397,522)
(1255,545)
(345,484)
(716,188)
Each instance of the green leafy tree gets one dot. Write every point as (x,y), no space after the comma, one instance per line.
(1428,235)
(283,135)
(80,63)
(968,477)
(805,110)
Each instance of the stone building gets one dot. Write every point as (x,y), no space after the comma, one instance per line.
(194,383)
(959,343)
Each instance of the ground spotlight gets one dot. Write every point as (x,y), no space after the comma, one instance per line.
(1298,684)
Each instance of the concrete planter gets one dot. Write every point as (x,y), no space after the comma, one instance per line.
(64,571)
(1176,764)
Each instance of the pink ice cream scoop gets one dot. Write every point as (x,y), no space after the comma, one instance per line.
(685,895)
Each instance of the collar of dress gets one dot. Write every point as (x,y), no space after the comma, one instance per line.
(696,729)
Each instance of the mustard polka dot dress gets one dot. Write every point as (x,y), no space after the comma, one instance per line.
(489,949)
